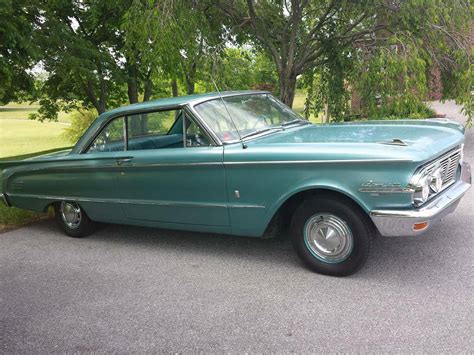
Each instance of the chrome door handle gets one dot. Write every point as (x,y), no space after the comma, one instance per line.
(120,161)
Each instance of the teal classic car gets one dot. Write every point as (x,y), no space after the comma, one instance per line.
(243,163)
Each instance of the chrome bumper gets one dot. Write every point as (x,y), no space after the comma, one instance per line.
(3,198)
(395,223)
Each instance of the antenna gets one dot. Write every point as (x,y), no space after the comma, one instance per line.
(244,146)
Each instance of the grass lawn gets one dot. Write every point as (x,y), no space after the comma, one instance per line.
(22,137)
(21,111)
(11,216)
(298,106)
(19,135)
(298,102)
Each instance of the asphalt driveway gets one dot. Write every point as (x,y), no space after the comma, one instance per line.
(127,289)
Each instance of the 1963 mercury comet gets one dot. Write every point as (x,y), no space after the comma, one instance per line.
(242,163)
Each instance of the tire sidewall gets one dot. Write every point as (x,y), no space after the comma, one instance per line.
(357,222)
(85,227)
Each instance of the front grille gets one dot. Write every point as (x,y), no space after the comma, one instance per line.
(449,165)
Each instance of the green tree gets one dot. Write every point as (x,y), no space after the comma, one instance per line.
(316,38)
(18,52)
(87,54)
(77,41)
(179,36)
(390,71)
(242,68)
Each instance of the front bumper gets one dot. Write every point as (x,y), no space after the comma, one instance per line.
(395,223)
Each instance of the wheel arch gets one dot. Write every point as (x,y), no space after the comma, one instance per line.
(281,212)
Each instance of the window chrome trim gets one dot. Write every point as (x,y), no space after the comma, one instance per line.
(125,133)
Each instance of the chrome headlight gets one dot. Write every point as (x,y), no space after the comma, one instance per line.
(434,177)
(422,189)
(436,181)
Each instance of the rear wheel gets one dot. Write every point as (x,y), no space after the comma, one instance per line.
(73,220)
(331,236)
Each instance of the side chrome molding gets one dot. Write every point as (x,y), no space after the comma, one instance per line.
(140,202)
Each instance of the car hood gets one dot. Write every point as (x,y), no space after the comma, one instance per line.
(410,139)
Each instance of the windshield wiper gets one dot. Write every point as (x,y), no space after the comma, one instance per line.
(298,120)
(278,128)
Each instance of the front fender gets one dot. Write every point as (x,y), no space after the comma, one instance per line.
(312,184)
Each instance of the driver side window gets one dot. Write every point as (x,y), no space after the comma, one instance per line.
(194,135)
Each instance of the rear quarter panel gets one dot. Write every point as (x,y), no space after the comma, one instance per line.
(35,184)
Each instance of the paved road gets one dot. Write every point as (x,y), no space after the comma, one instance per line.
(130,289)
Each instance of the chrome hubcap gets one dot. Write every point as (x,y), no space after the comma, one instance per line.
(71,214)
(328,238)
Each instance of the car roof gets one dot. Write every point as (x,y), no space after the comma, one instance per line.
(177,101)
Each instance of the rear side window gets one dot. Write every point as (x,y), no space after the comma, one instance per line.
(151,123)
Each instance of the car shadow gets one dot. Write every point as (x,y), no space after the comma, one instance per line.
(405,259)
(275,250)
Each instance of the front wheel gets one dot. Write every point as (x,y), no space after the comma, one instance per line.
(73,220)
(331,236)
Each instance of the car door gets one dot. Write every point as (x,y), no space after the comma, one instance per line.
(172,173)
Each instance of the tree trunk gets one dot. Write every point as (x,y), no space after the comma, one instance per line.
(190,78)
(174,87)
(189,85)
(287,88)
(132,84)
(148,90)
(99,104)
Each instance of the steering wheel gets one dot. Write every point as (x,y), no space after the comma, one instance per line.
(195,140)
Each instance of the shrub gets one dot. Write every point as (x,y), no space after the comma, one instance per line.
(80,121)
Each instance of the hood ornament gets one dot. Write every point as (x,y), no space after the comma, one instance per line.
(395,141)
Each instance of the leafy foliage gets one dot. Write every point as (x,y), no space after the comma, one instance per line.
(241,69)
(80,120)
(18,52)
(80,43)
(176,35)
(393,84)
(102,54)
(383,49)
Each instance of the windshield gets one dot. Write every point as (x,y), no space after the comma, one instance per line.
(251,114)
